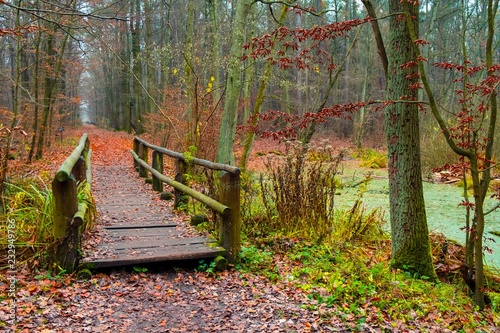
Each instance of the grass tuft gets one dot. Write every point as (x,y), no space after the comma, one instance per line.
(30,208)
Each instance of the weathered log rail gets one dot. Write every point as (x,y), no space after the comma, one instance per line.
(69,214)
(228,204)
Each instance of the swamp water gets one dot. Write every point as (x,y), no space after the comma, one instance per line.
(442,201)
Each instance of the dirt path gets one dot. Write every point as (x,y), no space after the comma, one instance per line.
(182,301)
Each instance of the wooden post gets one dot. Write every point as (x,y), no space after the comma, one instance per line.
(67,253)
(65,205)
(230,228)
(66,228)
(79,170)
(64,208)
(143,155)
(180,175)
(136,150)
(157,164)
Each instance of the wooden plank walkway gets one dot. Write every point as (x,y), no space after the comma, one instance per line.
(136,227)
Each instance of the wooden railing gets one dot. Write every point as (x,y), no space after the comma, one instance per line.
(69,214)
(227,205)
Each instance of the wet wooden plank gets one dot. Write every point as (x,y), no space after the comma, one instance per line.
(157,243)
(134,226)
(190,252)
(143,232)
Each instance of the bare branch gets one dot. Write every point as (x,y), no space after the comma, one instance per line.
(492,209)
(293,5)
(66,12)
(377,34)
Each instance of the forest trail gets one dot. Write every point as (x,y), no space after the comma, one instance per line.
(133,225)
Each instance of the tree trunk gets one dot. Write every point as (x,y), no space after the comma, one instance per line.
(250,135)
(51,85)
(360,118)
(410,236)
(16,73)
(215,51)
(470,148)
(477,232)
(233,85)
(192,115)
(36,87)
(137,101)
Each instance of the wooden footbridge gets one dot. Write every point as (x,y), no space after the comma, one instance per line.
(134,226)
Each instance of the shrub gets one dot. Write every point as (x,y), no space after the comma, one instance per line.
(356,225)
(298,195)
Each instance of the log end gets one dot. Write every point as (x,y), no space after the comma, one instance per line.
(62,176)
(221,263)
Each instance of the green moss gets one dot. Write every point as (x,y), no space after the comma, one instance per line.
(84,274)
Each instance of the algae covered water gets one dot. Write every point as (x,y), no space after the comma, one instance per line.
(442,201)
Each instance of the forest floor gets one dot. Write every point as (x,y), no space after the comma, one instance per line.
(170,299)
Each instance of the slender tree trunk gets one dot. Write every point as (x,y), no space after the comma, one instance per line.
(250,135)
(377,34)
(233,84)
(49,87)
(51,84)
(124,98)
(481,184)
(190,84)
(149,69)
(249,73)
(137,102)
(359,125)
(36,88)
(16,73)
(215,52)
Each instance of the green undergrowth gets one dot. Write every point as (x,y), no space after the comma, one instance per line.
(28,209)
(356,282)
(27,217)
(371,158)
(293,234)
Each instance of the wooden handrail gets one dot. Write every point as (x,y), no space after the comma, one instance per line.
(68,213)
(66,168)
(229,205)
(215,205)
(196,161)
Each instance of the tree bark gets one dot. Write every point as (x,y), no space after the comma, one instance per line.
(410,236)
(233,85)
